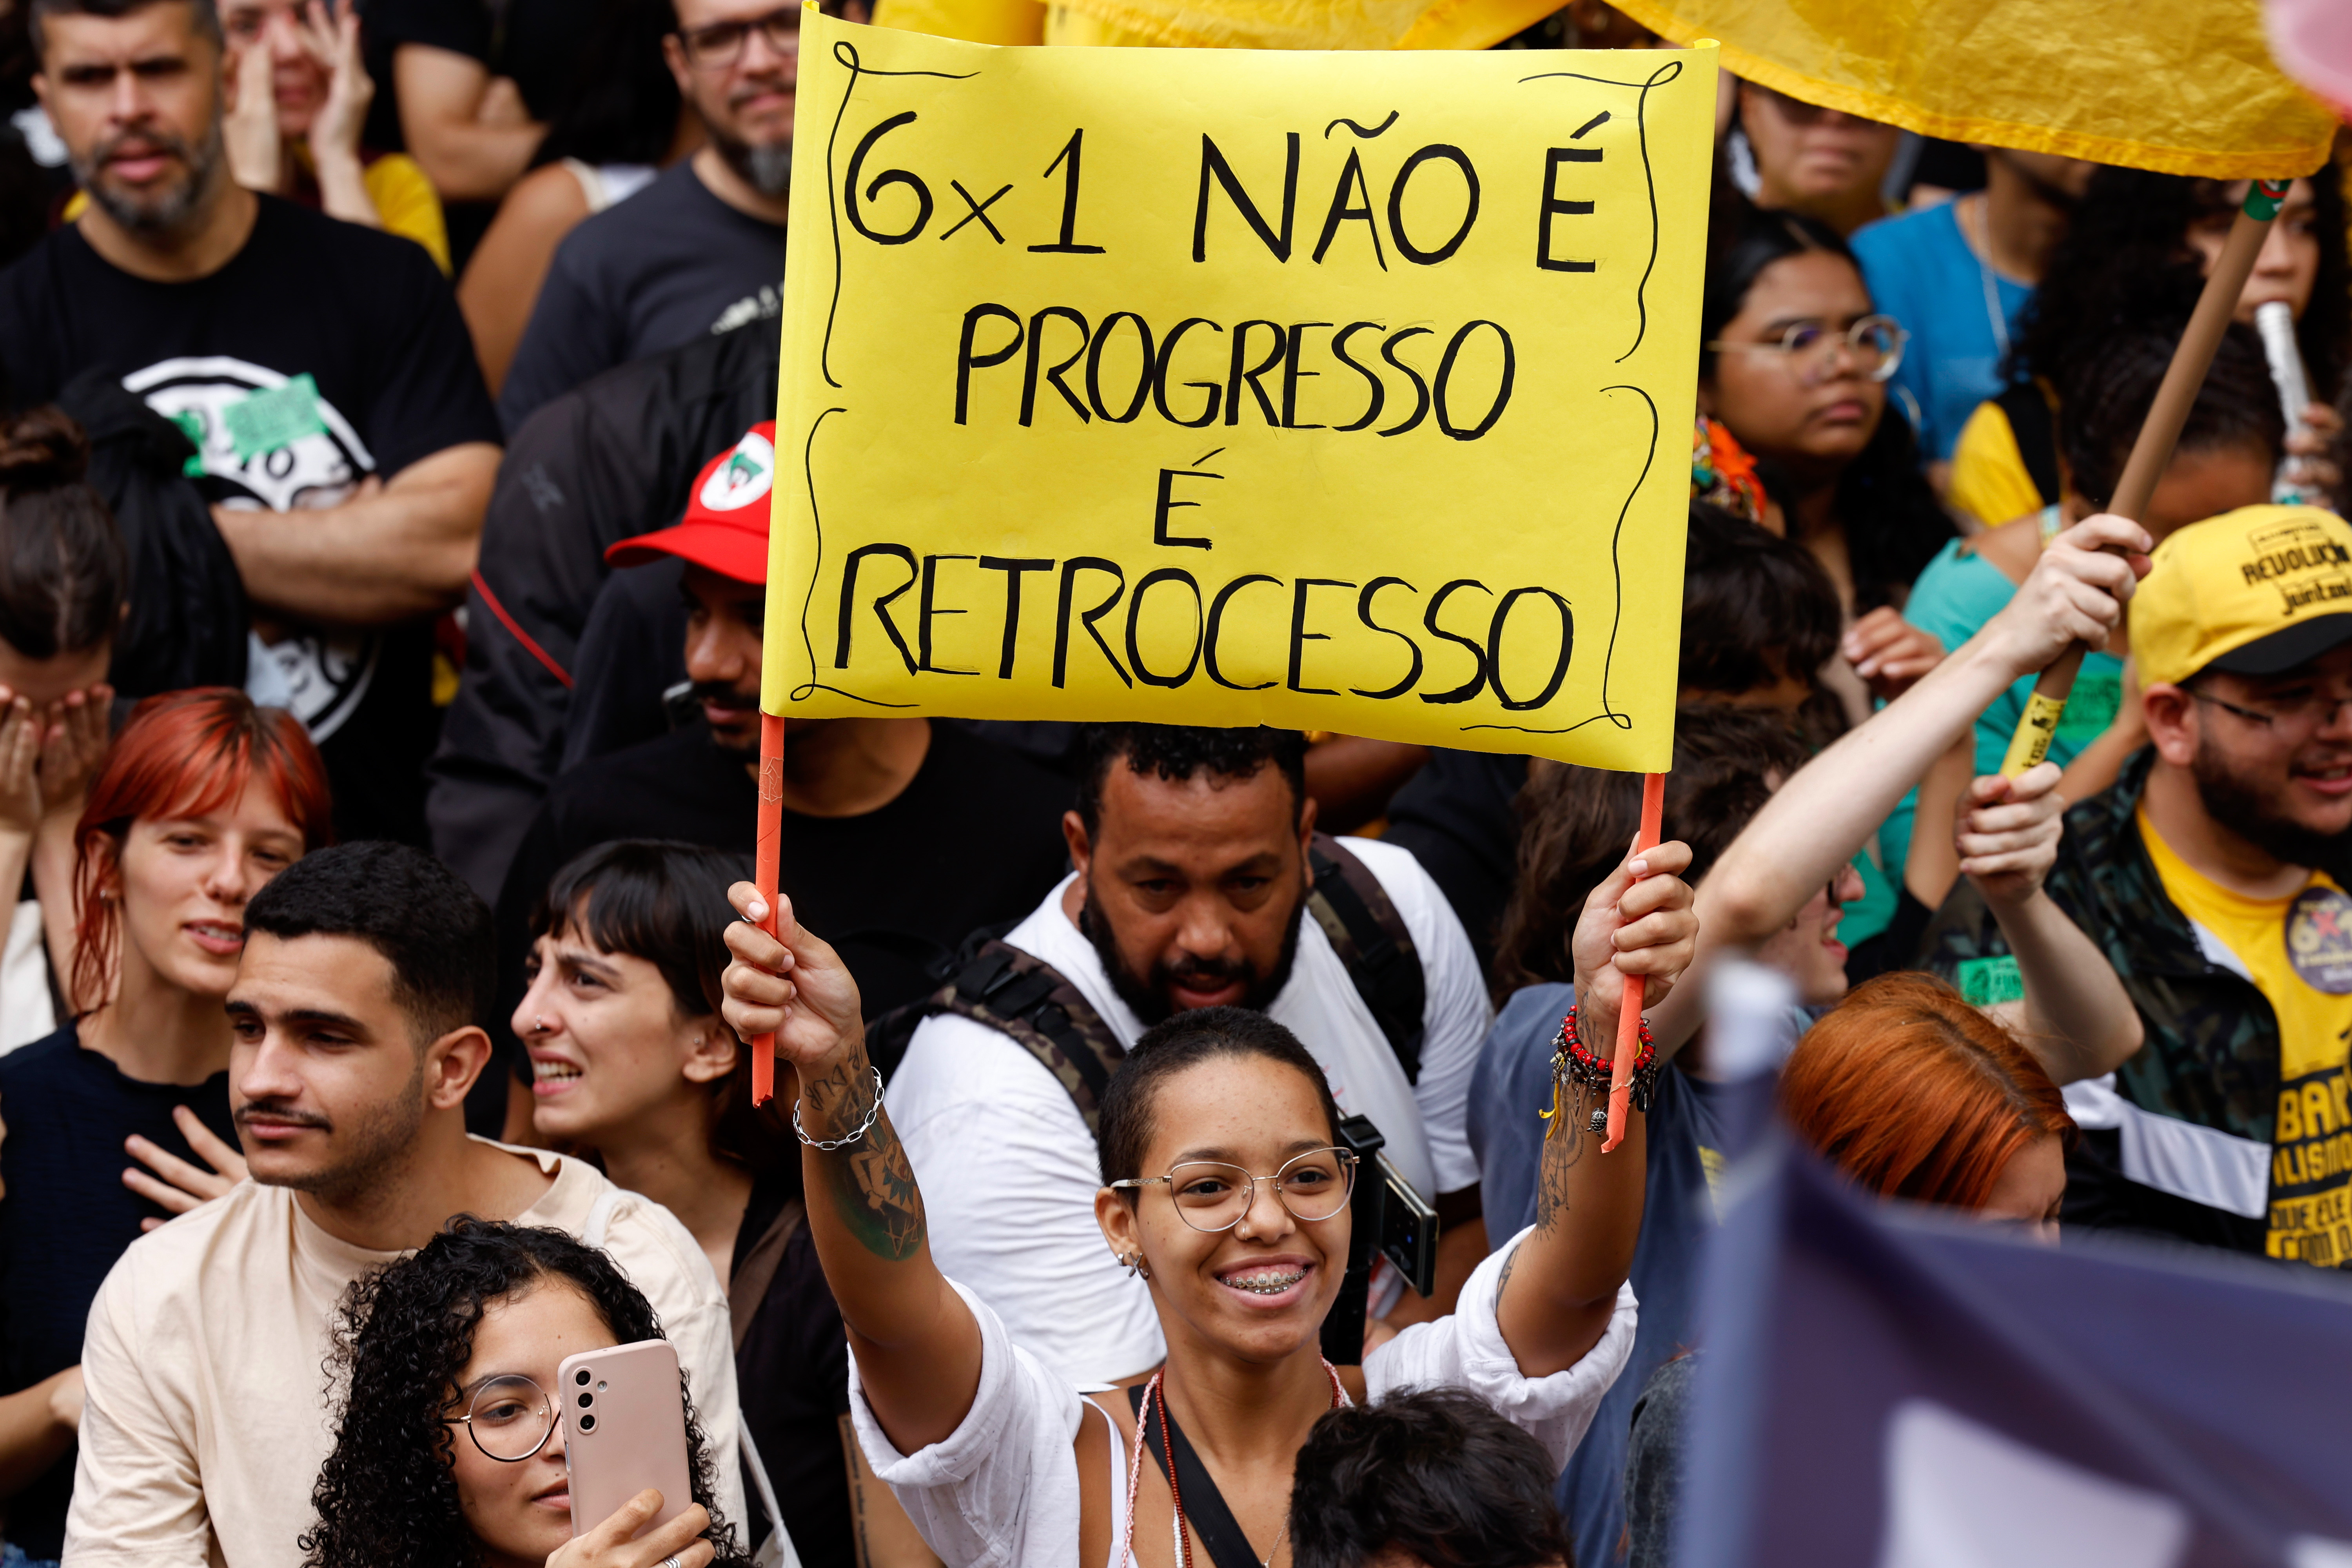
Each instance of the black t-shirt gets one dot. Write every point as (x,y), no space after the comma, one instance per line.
(974,839)
(536,42)
(661,269)
(322,353)
(792,1368)
(67,1216)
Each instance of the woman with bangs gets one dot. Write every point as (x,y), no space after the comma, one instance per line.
(200,801)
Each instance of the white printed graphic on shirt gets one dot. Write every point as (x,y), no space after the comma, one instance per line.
(319,676)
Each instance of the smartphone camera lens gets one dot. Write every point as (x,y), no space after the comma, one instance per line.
(582,1376)
(586,1400)
(587,1424)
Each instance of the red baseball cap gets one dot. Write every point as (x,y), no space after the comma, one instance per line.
(725,527)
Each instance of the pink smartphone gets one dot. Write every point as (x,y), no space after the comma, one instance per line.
(623,1430)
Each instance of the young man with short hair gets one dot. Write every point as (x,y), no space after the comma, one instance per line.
(357,1011)
(2213,878)
(1196,853)
(319,369)
(701,248)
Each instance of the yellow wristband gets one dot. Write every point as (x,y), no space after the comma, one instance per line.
(2031,744)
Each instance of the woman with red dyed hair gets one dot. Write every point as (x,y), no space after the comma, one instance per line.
(201,800)
(1915,1094)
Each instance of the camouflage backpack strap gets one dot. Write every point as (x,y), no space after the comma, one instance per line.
(1370,938)
(1020,994)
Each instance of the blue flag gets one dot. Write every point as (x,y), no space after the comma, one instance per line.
(1889,1387)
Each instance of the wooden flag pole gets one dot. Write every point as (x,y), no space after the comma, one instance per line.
(2152,451)
(1629,1016)
(764,866)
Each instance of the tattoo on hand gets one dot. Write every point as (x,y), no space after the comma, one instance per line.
(873,1185)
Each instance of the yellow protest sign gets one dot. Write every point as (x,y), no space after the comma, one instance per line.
(1333,390)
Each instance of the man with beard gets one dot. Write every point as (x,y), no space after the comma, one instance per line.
(357,1013)
(1195,852)
(900,834)
(320,371)
(701,248)
(2213,878)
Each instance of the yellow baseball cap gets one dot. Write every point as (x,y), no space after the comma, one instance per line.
(2256,591)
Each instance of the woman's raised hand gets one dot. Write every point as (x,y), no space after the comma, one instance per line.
(1889,652)
(2007,832)
(1639,921)
(609,1546)
(2077,592)
(796,989)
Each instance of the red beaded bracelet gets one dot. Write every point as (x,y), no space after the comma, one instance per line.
(1579,1071)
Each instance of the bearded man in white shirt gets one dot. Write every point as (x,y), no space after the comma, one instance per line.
(1196,855)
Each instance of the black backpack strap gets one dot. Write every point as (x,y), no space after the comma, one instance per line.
(2034,424)
(1019,995)
(1348,903)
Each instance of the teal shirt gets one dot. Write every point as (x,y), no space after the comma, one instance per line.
(1953,598)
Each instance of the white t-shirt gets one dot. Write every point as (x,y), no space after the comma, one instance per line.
(208,1414)
(1008,1168)
(1001,1490)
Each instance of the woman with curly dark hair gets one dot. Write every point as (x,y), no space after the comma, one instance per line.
(467,1334)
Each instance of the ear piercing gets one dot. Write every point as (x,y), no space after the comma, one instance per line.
(1135,1264)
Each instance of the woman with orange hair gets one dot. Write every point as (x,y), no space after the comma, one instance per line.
(1915,1094)
(200,801)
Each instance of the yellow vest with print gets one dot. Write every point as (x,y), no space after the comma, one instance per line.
(2299,952)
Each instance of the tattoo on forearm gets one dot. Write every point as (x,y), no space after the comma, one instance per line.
(873,1181)
(1561,1154)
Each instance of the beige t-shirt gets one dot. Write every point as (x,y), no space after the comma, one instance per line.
(208,1414)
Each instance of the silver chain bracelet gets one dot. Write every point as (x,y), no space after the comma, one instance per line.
(829,1144)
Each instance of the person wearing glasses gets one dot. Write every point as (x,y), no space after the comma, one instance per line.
(2212,878)
(465,1336)
(699,249)
(1222,1188)
(1794,362)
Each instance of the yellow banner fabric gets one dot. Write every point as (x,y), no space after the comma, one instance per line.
(1333,390)
(2181,86)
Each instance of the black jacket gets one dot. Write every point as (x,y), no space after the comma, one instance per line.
(613,459)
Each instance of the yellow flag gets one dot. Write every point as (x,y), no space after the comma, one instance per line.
(1223,24)
(2181,86)
(1331,390)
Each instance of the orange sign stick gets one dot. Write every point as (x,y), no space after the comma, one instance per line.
(1629,1017)
(763,873)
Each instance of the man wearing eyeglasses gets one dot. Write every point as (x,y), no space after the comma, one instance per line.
(700,250)
(2214,876)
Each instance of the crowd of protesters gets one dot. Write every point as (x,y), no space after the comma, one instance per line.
(385,469)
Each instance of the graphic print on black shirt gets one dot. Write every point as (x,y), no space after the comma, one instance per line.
(320,354)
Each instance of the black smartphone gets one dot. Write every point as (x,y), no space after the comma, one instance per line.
(1390,1219)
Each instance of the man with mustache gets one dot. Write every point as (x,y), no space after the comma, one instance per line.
(320,371)
(357,1014)
(2213,876)
(906,833)
(701,248)
(1195,852)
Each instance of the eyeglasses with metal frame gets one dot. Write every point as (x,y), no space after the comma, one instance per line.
(1212,1196)
(1874,342)
(509,1418)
